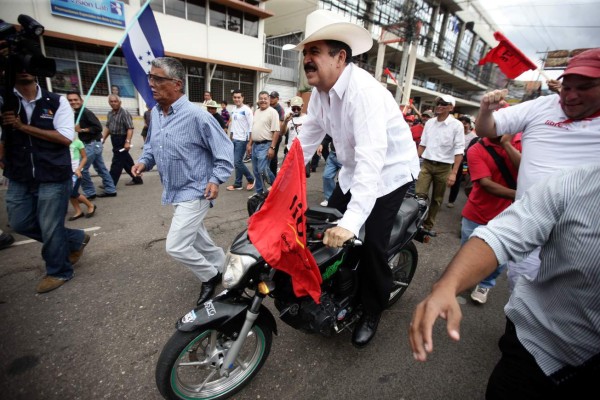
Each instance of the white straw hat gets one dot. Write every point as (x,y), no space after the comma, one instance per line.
(327,25)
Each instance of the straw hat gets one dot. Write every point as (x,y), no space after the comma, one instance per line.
(327,25)
(211,104)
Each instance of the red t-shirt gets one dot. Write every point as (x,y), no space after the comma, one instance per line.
(482,206)
(417,132)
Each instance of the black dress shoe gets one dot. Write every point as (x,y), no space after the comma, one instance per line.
(92,197)
(6,239)
(208,288)
(430,232)
(365,329)
(132,182)
(107,194)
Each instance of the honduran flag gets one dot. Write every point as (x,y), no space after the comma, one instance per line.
(142,45)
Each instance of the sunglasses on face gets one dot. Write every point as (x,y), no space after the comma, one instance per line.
(159,80)
(296,108)
(442,103)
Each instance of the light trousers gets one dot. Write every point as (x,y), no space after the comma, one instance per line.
(189,243)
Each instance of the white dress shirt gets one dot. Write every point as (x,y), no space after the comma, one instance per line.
(372,141)
(443,139)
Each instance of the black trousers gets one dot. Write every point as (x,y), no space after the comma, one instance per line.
(274,161)
(455,189)
(374,273)
(518,377)
(121,159)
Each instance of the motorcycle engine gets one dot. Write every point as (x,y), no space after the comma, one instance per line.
(304,314)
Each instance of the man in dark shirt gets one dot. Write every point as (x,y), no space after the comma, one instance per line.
(119,125)
(89,130)
(211,106)
(274,102)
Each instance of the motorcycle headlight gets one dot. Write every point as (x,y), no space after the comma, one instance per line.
(236,266)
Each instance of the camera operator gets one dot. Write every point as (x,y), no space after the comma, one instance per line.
(37,131)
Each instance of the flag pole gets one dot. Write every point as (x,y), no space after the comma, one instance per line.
(103,68)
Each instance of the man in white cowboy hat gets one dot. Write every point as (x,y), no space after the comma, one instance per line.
(374,146)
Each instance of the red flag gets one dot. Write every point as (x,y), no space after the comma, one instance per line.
(278,229)
(389,73)
(511,61)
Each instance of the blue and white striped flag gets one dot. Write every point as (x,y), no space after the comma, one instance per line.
(142,45)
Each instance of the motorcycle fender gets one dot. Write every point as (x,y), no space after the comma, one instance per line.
(222,314)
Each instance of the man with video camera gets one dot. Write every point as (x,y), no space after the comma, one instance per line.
(37,129)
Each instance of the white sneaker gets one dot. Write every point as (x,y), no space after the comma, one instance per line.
(480,294)
(324,203)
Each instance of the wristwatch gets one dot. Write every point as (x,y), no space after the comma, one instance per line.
(128,141)
(271,147)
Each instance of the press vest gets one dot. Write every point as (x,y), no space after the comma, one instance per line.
(30,159)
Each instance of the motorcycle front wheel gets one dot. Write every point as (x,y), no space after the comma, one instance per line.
(403,265)
(189,365)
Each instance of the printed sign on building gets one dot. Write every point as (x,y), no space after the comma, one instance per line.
(105,12)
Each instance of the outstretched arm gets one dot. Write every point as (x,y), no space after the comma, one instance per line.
(474,261)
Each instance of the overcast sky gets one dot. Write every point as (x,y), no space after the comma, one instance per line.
(536,26)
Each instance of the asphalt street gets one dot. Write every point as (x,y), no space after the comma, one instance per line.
(99,335)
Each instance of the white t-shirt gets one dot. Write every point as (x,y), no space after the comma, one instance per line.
(550,142)
(443,139)
(241,123)
(294,127)
(372,141)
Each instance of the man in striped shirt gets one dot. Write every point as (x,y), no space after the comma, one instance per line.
(551,345)
(119,125)
(193,157)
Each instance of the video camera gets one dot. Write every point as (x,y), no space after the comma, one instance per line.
(24,52)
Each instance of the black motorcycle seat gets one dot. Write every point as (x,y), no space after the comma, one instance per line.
(409,211)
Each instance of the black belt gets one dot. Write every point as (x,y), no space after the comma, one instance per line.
(437,162)
(261,141)
(90,141)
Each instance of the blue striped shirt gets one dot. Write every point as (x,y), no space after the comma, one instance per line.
(190,150)
(557,315)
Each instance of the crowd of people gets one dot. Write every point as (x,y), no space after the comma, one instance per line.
(529,210)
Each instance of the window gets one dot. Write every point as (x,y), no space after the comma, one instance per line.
(234,21)
(88,74)
(196,83)
(250,25)
(218,15)
(175,8)
(196,11)
(119,78)
(65,79)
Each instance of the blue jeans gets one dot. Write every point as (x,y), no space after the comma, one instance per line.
(93,150)
(260,163)
(467,228)
(37,210)
(239,150)
(332,166)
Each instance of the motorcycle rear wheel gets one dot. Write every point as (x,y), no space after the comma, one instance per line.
(403,265)
(188,367)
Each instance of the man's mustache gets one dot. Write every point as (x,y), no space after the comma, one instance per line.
(308,67)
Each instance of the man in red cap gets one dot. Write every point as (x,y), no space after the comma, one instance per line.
(559,131)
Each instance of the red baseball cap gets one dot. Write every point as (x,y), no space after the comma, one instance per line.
(585,64)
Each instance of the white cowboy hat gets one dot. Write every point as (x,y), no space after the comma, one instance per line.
(327,25)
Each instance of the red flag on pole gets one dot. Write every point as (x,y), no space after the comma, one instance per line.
(511,61)
(278,229)
(389,73)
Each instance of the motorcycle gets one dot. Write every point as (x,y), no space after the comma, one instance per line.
(220,346)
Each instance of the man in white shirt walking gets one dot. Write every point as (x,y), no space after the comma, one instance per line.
(441,147)
(240,126)
(373,144)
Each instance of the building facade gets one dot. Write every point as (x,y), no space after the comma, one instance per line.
(448,39)
(220,42)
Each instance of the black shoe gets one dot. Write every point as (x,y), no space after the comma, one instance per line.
(365,329)
(107,194)
(6,239)
(430,233)
(208,288)
(92,197)
(135,182)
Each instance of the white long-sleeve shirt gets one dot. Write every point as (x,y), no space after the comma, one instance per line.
(372,141)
